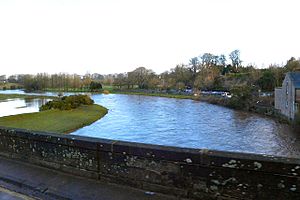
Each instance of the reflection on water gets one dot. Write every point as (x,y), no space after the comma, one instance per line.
(18,106)
(177,122)
(12,92)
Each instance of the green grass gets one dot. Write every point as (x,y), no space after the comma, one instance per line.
(67,90)
(14,96)
(175,96)
(108,87)
(56,121)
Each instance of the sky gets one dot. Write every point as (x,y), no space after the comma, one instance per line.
(114,36)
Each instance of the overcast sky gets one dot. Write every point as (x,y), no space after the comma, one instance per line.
(112,36)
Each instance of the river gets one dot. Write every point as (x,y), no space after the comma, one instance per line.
(188,123)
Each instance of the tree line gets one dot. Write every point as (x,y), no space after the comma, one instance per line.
(204,72)
(61,81)
(208,72)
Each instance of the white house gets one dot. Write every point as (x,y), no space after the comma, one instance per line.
(287,98)
(2,79)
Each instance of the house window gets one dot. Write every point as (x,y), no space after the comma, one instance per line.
(287,88)
(287,104)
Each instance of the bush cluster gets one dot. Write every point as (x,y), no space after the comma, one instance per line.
(94,86)
(68,102)
(242,97)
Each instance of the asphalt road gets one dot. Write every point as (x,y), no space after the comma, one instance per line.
(19,180)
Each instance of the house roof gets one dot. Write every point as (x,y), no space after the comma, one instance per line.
(295,77)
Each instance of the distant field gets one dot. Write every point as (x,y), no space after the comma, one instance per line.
(9,86)
(67,90)
(108,87)
(13,96)
(175,96)
(58,121)
(112,87)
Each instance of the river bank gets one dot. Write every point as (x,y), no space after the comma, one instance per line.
(175,96)
(262,105)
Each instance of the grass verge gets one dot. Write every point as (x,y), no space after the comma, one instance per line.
(175,96)
(57,121)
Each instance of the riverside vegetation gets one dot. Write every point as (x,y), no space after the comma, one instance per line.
(205,72)
(61,115)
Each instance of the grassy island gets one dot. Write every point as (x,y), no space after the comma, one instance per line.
(60,115)
(59,121)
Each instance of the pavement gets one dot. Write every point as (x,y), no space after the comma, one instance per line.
(6,194)
(19,181)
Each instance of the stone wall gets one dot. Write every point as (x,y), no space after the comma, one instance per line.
(192,173)
(279,101)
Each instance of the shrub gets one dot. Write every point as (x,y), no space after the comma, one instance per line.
(94,86)
(105,92)
(242,97)
(68,102)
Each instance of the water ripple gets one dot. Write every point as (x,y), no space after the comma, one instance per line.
(187,123)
